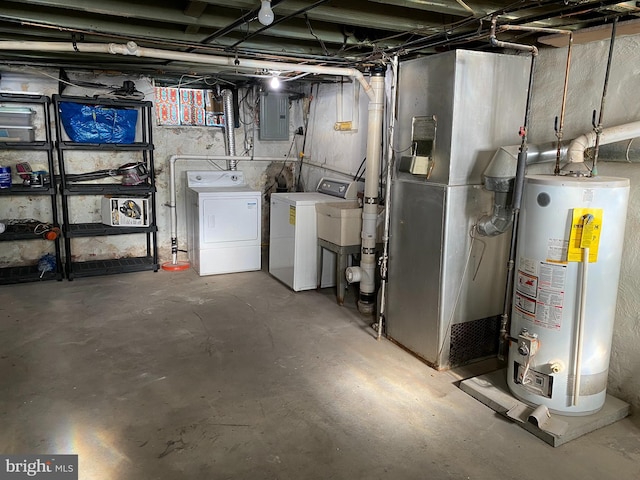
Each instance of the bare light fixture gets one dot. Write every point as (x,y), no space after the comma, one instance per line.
(265,15)
(275,81)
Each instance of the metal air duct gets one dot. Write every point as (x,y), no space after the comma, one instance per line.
(229,124)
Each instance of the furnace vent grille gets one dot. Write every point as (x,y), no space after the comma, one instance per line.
(474,340)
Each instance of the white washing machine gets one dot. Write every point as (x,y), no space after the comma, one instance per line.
(223,223)
(293,240)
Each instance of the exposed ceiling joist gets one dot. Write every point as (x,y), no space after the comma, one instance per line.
(345,32)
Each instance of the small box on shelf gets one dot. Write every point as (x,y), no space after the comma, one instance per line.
(125,211)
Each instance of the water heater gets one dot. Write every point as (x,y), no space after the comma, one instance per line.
(570,240)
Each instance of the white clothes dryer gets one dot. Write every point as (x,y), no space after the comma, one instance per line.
(223,223)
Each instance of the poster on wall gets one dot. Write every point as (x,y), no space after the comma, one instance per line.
(187,107)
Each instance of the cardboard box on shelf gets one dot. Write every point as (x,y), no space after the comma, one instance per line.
(125,212)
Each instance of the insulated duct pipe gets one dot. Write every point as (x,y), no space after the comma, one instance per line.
(234,64)
(367,269)
(229,124)
(172,188)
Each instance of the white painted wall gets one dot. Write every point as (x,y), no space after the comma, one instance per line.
(339,152)
(585,91)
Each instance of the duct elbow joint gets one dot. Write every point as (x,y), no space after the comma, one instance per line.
(493,225)
(500,220)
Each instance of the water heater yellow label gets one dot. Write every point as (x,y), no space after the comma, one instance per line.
(586,225)
(292,215)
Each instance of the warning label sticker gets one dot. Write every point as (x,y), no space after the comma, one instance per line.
(525,304)
(552,276)
(527,284)
(540,298)
(557,250)
(550,300)
(586,226)
(292,215)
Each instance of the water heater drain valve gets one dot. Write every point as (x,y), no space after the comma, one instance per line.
(528,343)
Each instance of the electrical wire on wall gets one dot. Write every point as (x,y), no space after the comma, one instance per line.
(100,90)
(358,175)
(249,118)
(287,158)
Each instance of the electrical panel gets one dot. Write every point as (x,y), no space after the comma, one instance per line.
(274,116)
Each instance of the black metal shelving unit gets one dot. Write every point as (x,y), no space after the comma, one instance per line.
(139,152)
(19,233)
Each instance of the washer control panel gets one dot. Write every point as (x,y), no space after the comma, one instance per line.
(340,188)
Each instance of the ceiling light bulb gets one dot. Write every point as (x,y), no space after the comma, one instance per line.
(265,15)
(275,82)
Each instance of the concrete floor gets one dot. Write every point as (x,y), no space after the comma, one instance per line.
(174,376)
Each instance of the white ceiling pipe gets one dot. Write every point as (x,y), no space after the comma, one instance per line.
(172,188)
(575,154)
(133,49)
